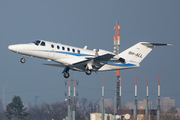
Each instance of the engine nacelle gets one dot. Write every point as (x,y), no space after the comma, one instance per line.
(102,52)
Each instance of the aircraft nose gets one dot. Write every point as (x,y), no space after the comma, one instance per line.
(13,47)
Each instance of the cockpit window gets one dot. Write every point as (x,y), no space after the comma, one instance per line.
(43,44)
(37,42)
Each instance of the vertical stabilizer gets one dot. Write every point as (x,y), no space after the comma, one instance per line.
(139,51)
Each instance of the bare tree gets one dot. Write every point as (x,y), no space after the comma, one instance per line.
(3,116)
(84,109)
(170,114)
(46,111)
(59,110)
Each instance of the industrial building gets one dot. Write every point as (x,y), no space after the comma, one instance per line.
(140,115)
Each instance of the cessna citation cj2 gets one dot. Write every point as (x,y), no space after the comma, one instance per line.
(84,60)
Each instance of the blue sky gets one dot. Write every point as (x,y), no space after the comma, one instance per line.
(79,23)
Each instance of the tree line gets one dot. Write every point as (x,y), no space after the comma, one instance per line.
(45,111)
(57,111)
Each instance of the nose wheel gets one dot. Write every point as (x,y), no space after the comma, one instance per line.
(23,60)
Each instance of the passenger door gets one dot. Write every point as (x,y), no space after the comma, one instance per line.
(52,50)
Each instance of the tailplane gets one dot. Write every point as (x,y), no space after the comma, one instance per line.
(138,52)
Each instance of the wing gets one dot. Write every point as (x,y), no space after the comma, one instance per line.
(93,63)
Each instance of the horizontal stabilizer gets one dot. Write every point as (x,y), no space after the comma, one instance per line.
(155,44)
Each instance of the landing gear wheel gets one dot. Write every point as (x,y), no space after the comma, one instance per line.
(66,75)
(23,60)
(88,72)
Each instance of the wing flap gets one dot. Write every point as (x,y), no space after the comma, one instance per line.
(56,65)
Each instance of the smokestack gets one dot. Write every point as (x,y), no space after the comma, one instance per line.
(147,107)
(158,106)
(69,89)
(103,87)
(69,107)
(74,107)
(116,51)
(135,106)
(120,99)
(158,86)
(120,88)
(136,86)
(102,111)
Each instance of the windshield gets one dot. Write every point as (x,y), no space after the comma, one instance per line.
(37,42)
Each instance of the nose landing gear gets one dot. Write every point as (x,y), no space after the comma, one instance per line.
(23,60)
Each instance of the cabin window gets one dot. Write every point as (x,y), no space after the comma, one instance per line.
(43,44)
(52,46)
(57,47)
(63,48)
(68,49)
(73,50)
(78,51)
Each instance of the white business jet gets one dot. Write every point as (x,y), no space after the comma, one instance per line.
(84,60)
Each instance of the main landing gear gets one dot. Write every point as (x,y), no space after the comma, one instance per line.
(66,72)
(88,72)
(66,75)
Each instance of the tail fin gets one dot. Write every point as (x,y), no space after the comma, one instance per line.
(139,51)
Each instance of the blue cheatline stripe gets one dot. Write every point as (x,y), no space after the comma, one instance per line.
(74,54)
(71,54)
(128,64)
